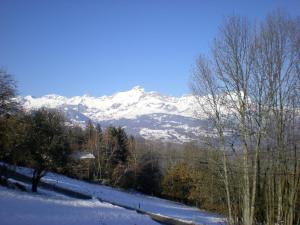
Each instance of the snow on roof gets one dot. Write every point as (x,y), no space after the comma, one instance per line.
(82,155)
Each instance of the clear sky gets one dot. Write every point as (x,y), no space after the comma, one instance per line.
(101,47)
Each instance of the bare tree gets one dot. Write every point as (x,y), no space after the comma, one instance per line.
(250,88)
(209,98)
(278,61)
(7,92)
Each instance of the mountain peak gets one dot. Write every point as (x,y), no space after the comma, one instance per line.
(138,88)
(53,96)
(146,114)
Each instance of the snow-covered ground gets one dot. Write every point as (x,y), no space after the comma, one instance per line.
(46,208)
(135,200)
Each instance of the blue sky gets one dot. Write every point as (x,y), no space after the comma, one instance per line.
(101,47)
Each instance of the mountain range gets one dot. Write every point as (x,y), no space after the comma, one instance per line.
(146,114)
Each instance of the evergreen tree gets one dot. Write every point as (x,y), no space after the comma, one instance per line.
(121,153)
(149,176)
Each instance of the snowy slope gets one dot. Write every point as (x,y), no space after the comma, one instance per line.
(147,114)
(134,200)
(21,208)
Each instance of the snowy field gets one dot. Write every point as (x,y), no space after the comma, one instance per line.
(146,203)
(49,208)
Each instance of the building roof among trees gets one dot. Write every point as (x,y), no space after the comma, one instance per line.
(82,155)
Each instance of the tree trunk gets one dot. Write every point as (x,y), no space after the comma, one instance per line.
(37,175)
(226,182)
(34,185)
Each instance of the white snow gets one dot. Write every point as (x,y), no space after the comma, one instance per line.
(128,104)
(133,105)
(22,208)
(155,134)
(146,203)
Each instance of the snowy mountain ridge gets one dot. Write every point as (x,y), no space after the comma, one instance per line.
(147,114)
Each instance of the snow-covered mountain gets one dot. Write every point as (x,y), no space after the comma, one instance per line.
(147,114)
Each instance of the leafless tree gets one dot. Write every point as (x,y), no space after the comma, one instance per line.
(250,88)
(7,92)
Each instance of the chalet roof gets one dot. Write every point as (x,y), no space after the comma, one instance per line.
(79,155)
